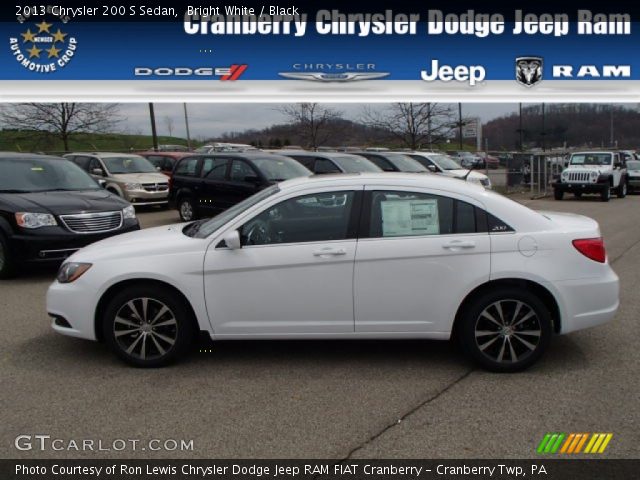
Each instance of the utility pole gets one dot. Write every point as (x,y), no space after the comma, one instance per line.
(521,132)
(460,123)
(186,122)
(544,133)
(611,141)
(154,134)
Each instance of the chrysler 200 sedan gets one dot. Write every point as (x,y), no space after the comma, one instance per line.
(370,256)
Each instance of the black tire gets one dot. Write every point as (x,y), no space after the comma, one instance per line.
(187,209)
(7,269)
(605,195)
(509,349)
(578,194)
(621,191)
(558,194)
(170,340)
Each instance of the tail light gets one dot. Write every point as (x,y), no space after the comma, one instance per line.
(592,248)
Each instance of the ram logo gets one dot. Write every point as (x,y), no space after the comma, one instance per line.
(592,71)
(528,70)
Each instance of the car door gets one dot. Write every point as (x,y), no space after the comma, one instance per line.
(214,191)
(418,255)
(244,181)
(294,272)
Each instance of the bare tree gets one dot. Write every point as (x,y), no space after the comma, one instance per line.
(415,124)
(168,121)
(313,120)
(61,119)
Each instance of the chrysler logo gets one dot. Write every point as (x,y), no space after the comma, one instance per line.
(334,77)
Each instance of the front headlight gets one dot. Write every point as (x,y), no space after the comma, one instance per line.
(35,220)
(133,186)
(129,212)
(71,271)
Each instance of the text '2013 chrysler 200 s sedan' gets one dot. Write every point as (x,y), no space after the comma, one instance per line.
(372,256)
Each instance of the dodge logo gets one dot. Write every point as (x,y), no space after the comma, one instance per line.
(528,70)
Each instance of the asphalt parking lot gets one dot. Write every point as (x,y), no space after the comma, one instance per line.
(381,399)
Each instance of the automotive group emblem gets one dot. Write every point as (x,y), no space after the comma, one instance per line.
(42,46)
(528,70)
(333,77)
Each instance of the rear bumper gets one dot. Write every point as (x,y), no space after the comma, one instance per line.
(580,187)
(589,302)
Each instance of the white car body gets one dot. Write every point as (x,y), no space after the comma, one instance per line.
(460,173)
(400,287)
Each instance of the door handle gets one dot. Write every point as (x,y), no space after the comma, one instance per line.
(458,244)
(329,252)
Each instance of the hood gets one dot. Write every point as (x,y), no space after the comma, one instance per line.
(150,242)
(589,168)
(62,203)
(140,177)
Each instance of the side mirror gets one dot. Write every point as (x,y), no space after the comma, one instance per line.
(97,171)
(432,169)
(232,240)
(102,183)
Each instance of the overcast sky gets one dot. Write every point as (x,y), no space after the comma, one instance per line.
(210,119)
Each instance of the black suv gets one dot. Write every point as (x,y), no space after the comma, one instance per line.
(393,162)
(205,185)
(49,208)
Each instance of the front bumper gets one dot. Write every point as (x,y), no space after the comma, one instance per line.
(634,182)
(144,198)
(75,304)
(54,244)
(580,187)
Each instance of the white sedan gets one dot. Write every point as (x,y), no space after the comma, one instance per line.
(342,257)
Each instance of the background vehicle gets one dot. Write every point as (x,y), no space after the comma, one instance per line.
(469,160)
(132,177)
(597,172)
(164,161)
(173,148)
(328,162)
(392,162)
(49,208)
(447,166)
(435,258)
(205,185)
(225,147)
(633,169)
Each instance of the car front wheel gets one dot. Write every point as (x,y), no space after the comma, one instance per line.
(621,191)
(147,326)
(506,331)
(6,262)
(558,194)
(605,196)
(187,209)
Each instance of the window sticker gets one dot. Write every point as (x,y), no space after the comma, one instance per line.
(410,217)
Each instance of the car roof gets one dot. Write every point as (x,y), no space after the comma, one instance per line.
(106,154)
(19,155)
(306,153)
(165,153)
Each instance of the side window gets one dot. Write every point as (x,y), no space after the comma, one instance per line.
(401,214)
(495,225)
(311,218)
(242,172)
(94,164)
(187,167)
(306,161)
(323,165)
(383,163)
(214,168)
(465,218)
(82,162)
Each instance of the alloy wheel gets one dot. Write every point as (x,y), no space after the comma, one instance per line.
(145,328)
(186,210)
(508,331)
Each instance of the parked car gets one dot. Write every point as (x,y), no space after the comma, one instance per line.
(392,162)
(490,161)
(225,147)
(597,172)
(447,166)
(172,148)
(132,177)
(329,162)
(49,208)
(436,258)
(205,185)
(469,160)
(164,161)
(633,169)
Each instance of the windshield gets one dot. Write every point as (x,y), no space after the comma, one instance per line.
(633,165)
(204,228)
(277,169)
(590,159)
(404,163)
(128,164)
(41,175)
(355,164)
(445,162)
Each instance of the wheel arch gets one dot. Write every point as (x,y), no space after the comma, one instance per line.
(123,285)
(539,290)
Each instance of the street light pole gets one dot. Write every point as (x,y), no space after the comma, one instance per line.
(460,123)
(154,134)
(186,122)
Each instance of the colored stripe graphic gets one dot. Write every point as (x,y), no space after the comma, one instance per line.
(573,443)
(236,71)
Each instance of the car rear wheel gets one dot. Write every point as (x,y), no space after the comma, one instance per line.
(148,326)
(621,191)
(6,262)
(187,209)
(558,194)
(506,331)
(605,196)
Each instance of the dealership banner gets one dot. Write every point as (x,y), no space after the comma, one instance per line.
(241,52)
